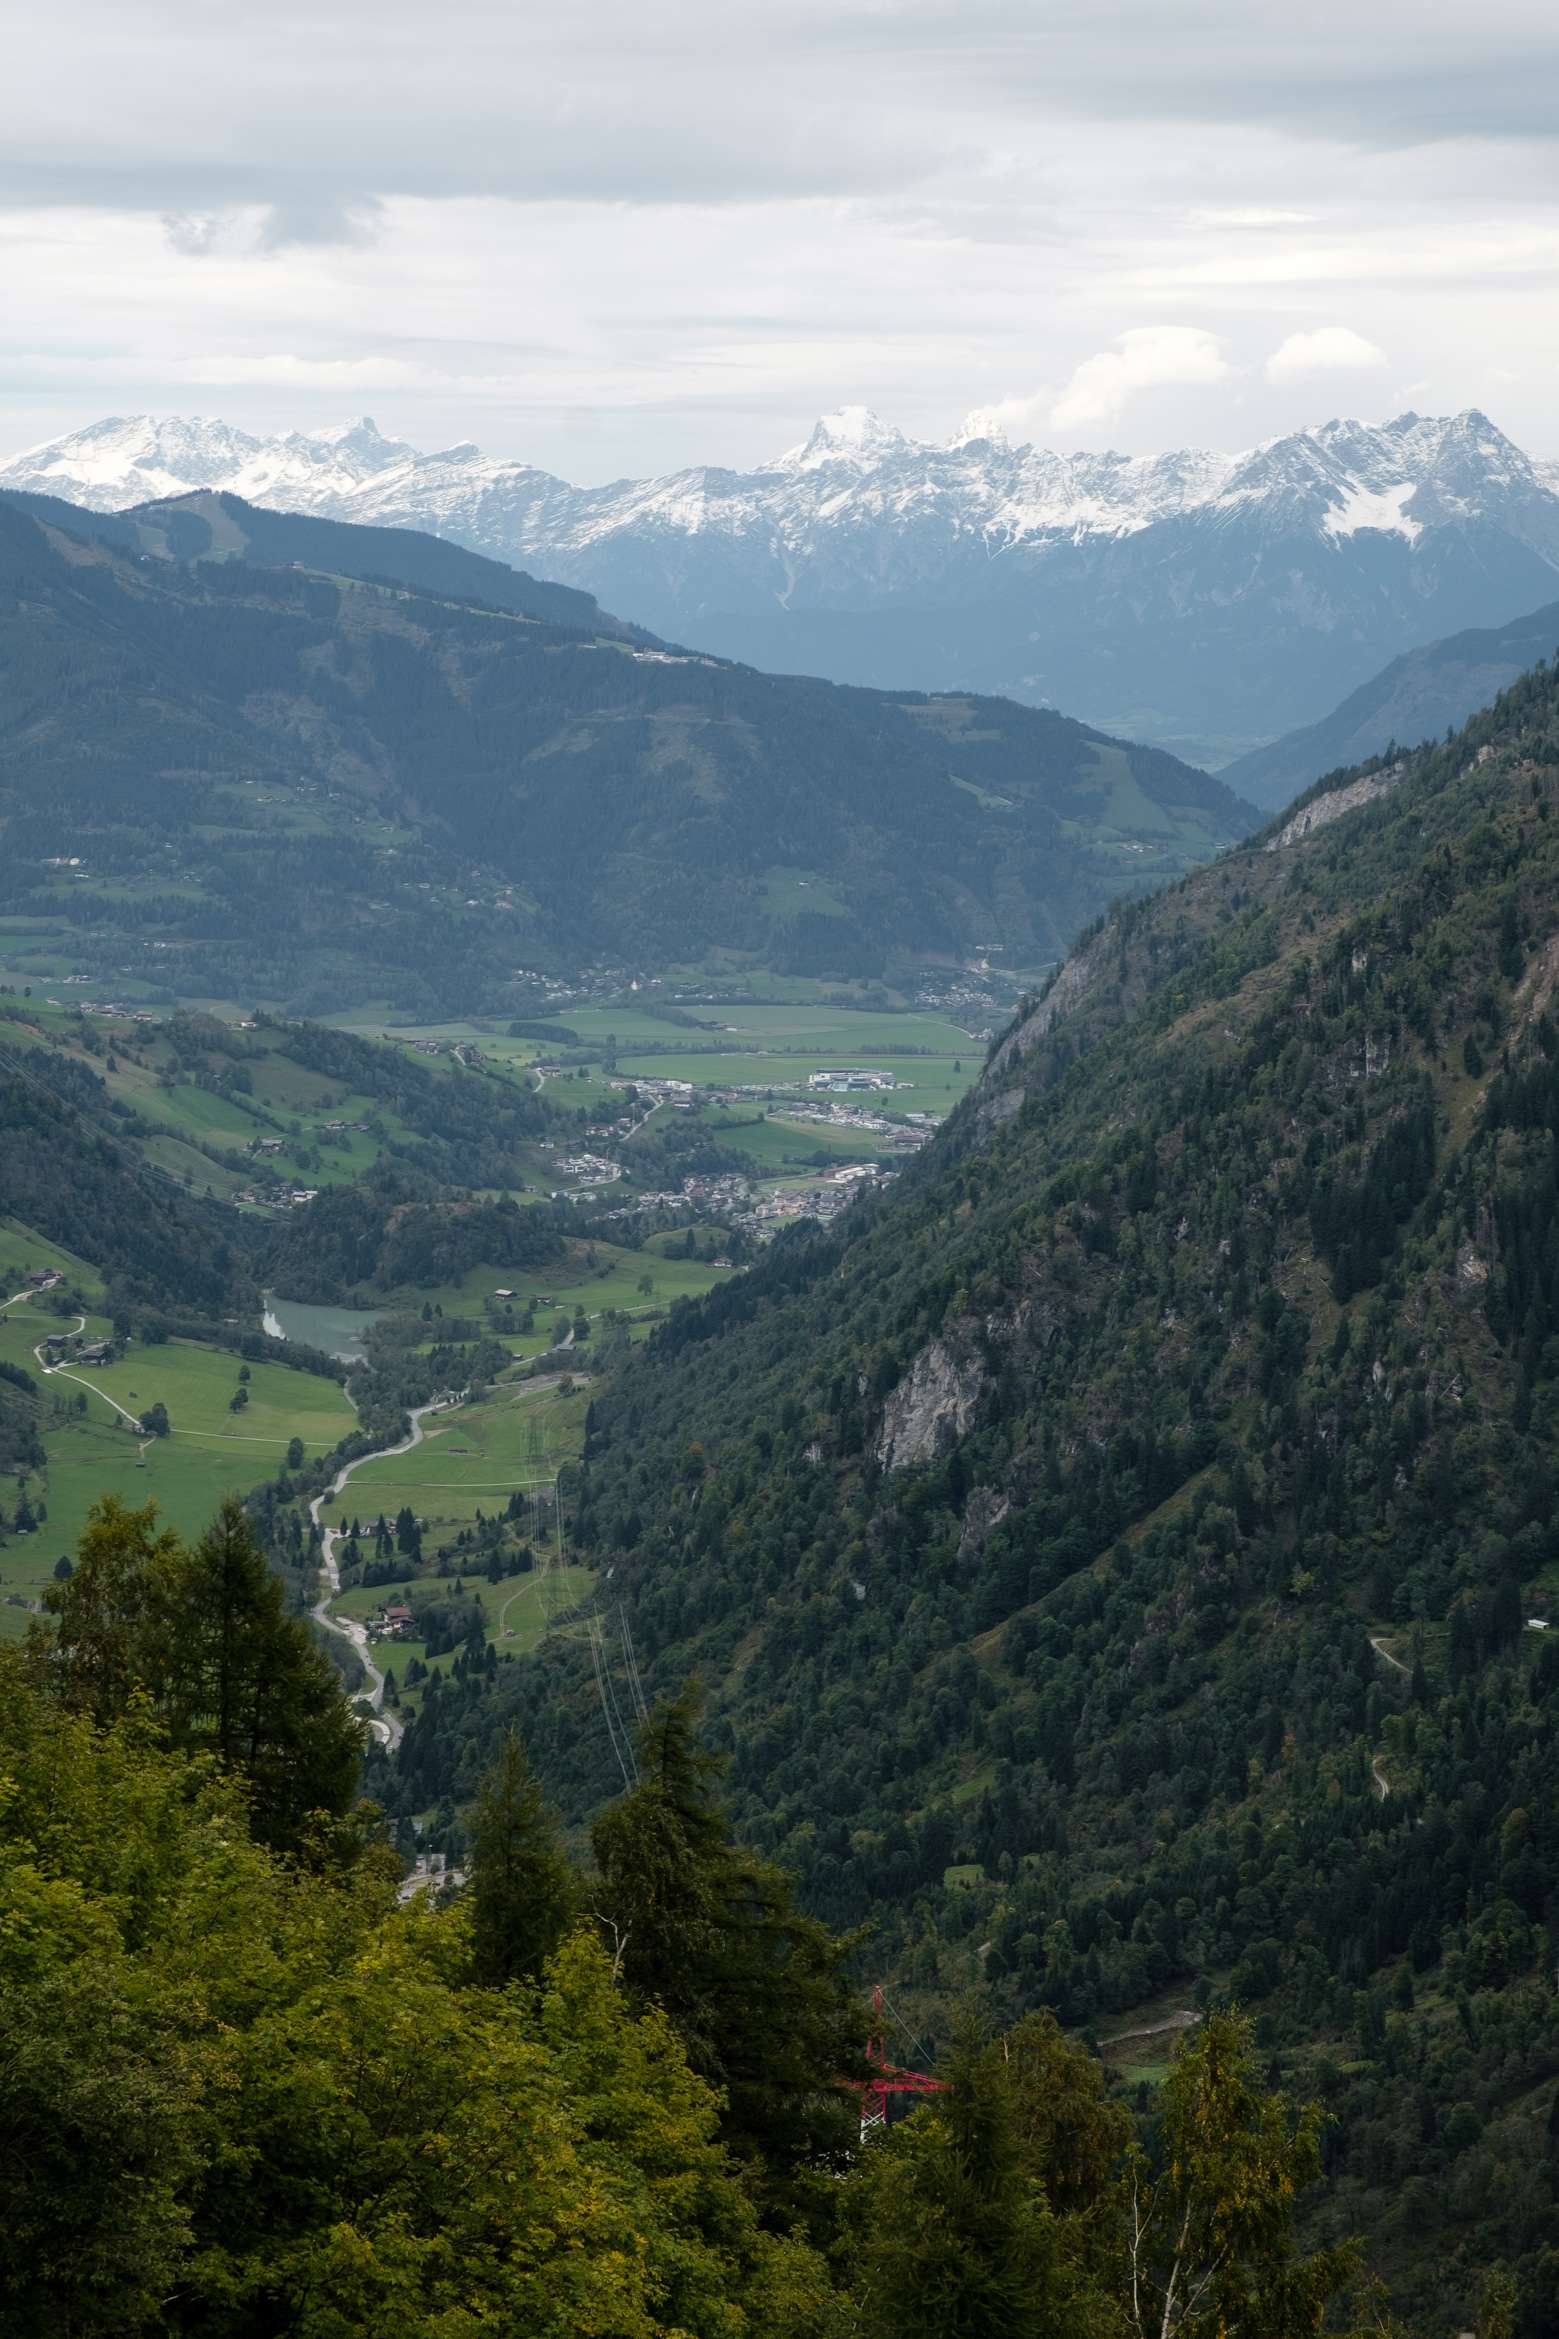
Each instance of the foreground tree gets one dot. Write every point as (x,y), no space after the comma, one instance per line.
(203,1637)
(949,2236)
(239,1678)
(523,1895)
(105,1609)
(242,2094)
(1210,2244)
(757,1992)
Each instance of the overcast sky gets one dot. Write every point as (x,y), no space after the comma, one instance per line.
(614,239)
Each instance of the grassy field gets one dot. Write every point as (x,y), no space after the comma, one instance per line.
(595,1277)
(24,1253)
(210,1452)
(922,1084)
(471,1460)
(773,1045)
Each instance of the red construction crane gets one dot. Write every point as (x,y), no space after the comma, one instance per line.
(890,2080)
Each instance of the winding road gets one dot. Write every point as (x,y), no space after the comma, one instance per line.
(386,1725)
(1377,1761)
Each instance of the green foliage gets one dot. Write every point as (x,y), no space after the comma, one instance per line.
(201,1638)
(242,2094)
(949,2236)
(1210,2241)
(523,1894)
(756,1990)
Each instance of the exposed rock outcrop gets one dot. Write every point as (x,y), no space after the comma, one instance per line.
(933,1405)
(1325,809)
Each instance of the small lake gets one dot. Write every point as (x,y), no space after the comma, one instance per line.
(338,1331)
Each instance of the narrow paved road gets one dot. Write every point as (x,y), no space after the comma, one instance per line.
(1382,1783)
(387,1725)
(1382,1651)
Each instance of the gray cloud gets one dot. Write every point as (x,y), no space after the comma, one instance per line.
(618,239)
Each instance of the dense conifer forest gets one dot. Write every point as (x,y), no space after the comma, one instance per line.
(1123,1563)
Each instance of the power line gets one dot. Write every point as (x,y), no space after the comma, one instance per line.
(635,1685)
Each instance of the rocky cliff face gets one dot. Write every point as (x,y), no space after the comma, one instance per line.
(933,1406)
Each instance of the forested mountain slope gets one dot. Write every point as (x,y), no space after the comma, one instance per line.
(105,1151)
(282,784)
(1111,1556)
(209,524)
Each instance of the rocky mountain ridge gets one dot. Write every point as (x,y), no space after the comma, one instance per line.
(1203,600)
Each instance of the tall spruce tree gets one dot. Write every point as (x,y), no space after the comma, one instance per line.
(950,2238)
(203,1636)
(757,1991)
(240,1678)
(523,1894)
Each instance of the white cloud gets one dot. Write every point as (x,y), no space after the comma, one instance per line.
(1330,349)
(613,241)
(1150,357)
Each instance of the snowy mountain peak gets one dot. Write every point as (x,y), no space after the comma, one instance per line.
(851,434)
(979,428)
(134,458)
(360,442)
(1197,597)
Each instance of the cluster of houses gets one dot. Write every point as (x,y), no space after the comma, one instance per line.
(60,1345)
(589,1165)
(850,1079)
(823,1201)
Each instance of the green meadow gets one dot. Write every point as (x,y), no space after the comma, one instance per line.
(211,1450)
(595,1277)
(471,1459)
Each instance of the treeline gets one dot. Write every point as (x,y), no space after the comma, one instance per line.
(245,2091)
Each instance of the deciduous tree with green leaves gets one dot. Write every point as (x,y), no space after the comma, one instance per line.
(1210,2246)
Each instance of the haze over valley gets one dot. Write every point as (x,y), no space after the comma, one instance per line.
(779,1297)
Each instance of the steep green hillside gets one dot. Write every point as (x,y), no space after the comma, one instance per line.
(1112,1556)
(286,785)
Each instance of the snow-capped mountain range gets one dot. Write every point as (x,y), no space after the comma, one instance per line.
(1201,599)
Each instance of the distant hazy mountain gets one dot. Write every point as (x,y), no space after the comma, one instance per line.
(288,779)
(1209,601)
(1416,697)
